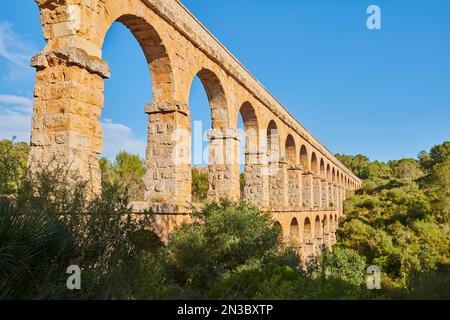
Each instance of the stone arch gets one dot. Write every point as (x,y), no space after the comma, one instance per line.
(307,230)
(294,231)
(322,168)
(304,159)
(152,44)
(325,224)
(163,91)
(291,151)
(314,163)
(317,227)
(216,97)
(328,172)
(251,127)
(336,220)
(333,175)
(273,141)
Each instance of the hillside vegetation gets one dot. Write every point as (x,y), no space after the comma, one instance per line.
(399,221)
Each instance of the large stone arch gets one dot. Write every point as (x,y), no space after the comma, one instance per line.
(322,168)
(314,163)
(216,96)
(256,184)
(304,157)
(154,48)
(291,150)
(273,141)
(69,95)
(223,164)
(251,127)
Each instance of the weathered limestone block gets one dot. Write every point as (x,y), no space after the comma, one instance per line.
(68,99)
(223,168)
(324,194)
(317,190)
(256,188)
(295,186)
(278,181)
(336,197)
(307,190)
(72,56)
(331,200)
(342,198)
(168,177)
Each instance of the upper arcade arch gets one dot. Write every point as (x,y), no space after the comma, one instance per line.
(314,163)
(322,168)
(304,158)
(273,141)
(290,148)
(251,127)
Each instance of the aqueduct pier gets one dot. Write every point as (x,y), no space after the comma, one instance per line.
(287,170)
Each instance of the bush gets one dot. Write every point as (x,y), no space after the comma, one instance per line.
(200,186)
(340,264)
(13,165)
(51,226)
(223,238)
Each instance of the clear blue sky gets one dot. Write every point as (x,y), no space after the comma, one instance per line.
(382,93)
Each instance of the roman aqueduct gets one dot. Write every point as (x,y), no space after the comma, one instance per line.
(287,170)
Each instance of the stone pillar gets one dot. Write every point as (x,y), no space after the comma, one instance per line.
(331,196)
(278,184)
(327,236)
(68,99)
(324,193)
(332,237)
(317,192)
(168,176)
(307,190)
(336,197)
(256,188)
(223,167)
(295,186)
(342,199)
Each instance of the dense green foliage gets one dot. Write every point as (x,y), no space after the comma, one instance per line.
(13,165)
(127,170)
(399,221)
(44,230)
(199,186)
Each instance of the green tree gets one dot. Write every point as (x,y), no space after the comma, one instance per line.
(224,239)
(357,164)
(13,165)
(199,186)
(340,264)
(127,170)
(408,169)
(438,154)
